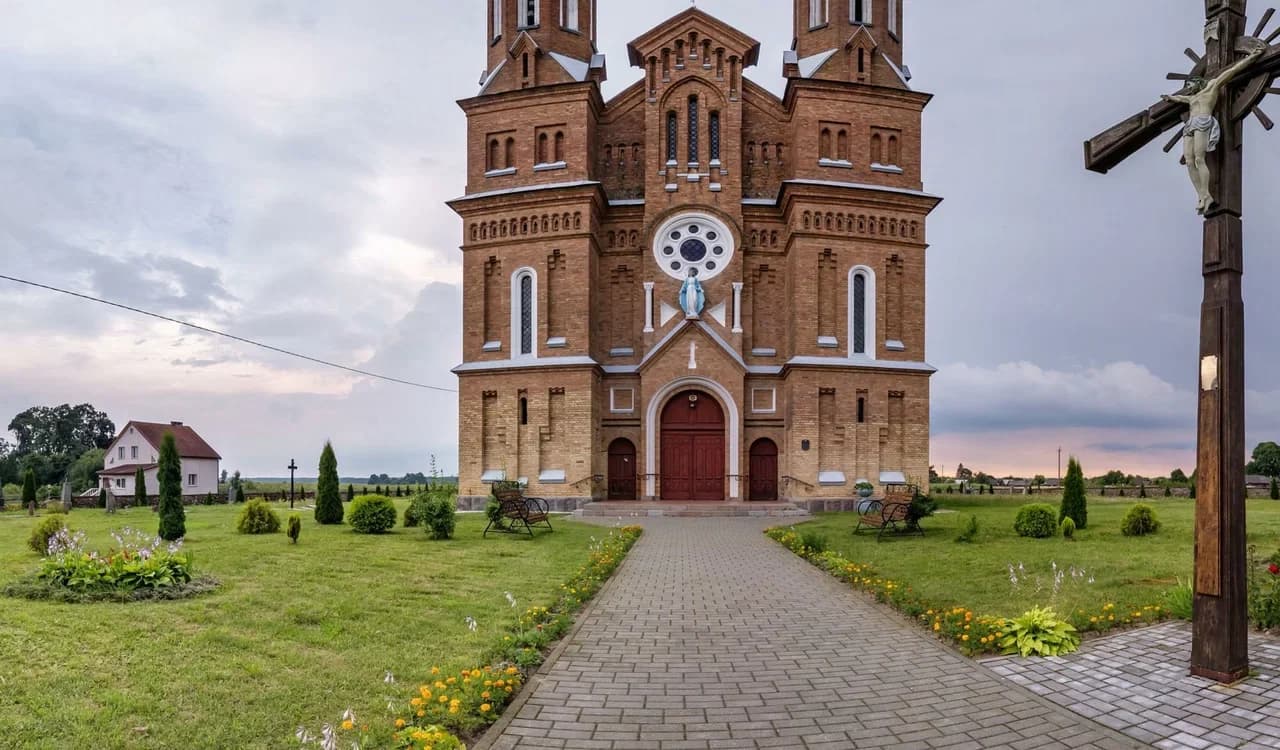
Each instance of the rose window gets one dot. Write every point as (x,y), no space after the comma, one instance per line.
(693,245)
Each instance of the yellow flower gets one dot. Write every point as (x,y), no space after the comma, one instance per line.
(444,699)
(348,724)
(399,723)
(451,680)
(435,670)
(421,712)
(964,638)
(453,709)
(415,702)
(937,626)
(484,707)
(485,695)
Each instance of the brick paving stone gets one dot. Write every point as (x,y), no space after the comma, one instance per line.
(713,636)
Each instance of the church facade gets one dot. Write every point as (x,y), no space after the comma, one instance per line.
(695,291)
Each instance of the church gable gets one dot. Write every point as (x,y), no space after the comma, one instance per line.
(693,347)
(693,35)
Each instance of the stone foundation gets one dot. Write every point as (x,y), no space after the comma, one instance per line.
(557,504)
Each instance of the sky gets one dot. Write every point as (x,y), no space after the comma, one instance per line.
(278,169)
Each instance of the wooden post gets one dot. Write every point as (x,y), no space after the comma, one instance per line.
(1220,637)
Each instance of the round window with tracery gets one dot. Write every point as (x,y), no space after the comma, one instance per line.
(693,244)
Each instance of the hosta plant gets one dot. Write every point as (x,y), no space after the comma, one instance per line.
(1039,632)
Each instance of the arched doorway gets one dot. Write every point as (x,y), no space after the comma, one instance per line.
(764,471)
(622,470)
(693,448)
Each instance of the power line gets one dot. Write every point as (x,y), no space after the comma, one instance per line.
(240,339)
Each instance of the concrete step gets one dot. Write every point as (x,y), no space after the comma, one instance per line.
(691,510)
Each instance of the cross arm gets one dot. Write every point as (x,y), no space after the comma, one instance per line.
(1112,146)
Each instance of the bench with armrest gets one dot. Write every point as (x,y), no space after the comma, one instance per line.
(887,516)
(516,511)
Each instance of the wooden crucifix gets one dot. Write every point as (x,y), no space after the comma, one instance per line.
(1224,86)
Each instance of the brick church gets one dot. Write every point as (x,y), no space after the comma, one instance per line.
(694,291)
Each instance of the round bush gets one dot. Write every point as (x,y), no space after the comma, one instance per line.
(257,517)
(1140,521)
(1068,528)
(1038,521)
(440,517)
(43,532)
(372,514)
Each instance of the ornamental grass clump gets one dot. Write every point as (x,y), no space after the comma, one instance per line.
(1178,600)
(1039,632)
(1037,521)
(969,531)
(372,514)
(257,517)
(1140,521)
(1068,528)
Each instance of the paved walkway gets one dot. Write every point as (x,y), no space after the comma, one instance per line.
(1137,682)
(713,636)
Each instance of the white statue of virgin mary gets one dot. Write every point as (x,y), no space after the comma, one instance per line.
(692,298)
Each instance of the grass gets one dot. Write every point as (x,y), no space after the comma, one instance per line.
(294,636)
(1129,572)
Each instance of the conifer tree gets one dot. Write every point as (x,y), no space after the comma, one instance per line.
(29,490)
(173,517)
(328,499)
(351,492)
(1074,505)
(1275,489)
(139,488)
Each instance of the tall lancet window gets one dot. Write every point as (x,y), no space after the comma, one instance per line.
(528,13)
(524,313)
(715,136)
(817,13)
(893,16)
(497,19)
(860,11)
(693,129)
(862,312)
(569,14)
(673,132)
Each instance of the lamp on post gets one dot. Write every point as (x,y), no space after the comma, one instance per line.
(293,466)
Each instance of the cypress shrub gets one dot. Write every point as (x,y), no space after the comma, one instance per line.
(102,497)
(1275,489)
(1142,490)
(1036,520)
(1168,492)
(29,490)
(173,517)
(1193,489)
(1140,521)
(295,528)
(351,493)
(239,493)
(372,514)
(139,488)
(328,501)
(1074,505)
(257,517)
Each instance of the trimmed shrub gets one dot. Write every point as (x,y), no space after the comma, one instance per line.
(1168,492)
(440,517)
(1074,505)
(102,497)
(257,517)
(239,494)
(1140,521)
(351,493)
(969,531)
(173,517)
(43,532)
(328,501)
(1193,489)
(1068,528)
(29,490)
(295,528)
(139,488)
(372,514)
(1037,520)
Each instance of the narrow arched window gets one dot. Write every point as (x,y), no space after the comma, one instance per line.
(529,13)
(842,146)
(559,146)
(542,148)
(526,64)
(817,13)
(524,313)
(715,136)
(894,155)
(877,149)
(893,16)
(862,410)
(859,313)
(860,11)
(824,144)
(693,129)
(492,161)
(569,14)
(862,312)
(673,127)
(862,60)
(497,19)
(511,153)
(524,410)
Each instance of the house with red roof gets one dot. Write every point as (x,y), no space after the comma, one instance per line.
(138,445)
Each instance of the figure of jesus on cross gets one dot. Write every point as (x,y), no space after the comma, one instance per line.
(1225,85)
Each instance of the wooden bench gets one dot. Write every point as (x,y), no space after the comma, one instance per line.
(888,517)
(515,510)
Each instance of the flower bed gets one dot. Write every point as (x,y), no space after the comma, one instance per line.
(138,567)
(973,634)
(453,705)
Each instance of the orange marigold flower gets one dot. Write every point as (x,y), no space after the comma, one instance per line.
(348,724)
(484,707)
(399,723)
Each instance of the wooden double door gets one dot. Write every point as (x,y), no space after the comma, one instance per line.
(692,466)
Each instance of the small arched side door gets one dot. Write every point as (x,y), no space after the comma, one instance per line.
(764,471)
(622,470)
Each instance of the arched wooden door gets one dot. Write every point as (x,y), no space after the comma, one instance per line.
(622,470)
(764,470)
(693,448)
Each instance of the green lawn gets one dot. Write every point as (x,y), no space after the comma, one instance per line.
(1129,572)
(295,635)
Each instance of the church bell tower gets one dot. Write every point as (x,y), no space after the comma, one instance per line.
(856,41)
(541,42)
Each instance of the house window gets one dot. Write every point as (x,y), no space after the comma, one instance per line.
(893,16)
(860,11)
(528,14)
(715,136)
(862,312)
(693,129)
(817,13)
(120,482)
(497,19)
(524,312)
(569,14)
(192,480)
(133,451)
(673,126)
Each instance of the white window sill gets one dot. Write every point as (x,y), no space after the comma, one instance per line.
(839,163)
(715,162)
(889,168)
(831,478)
(500,172)
(493,475)
(622,351)
(672,188)
(552,476)
(895,346)
(693,177)
(715,187)
(557,342)
(550,166)
(828,342)
(763,352)
(492,346)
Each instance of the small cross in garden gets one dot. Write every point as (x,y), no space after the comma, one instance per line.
(1223,87)
(293,466)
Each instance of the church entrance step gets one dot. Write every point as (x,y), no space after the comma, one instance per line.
(692,510)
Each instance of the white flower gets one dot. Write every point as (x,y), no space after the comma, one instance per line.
(390,679)
(303,735)
(511,599)
(471,623)
(349,715)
